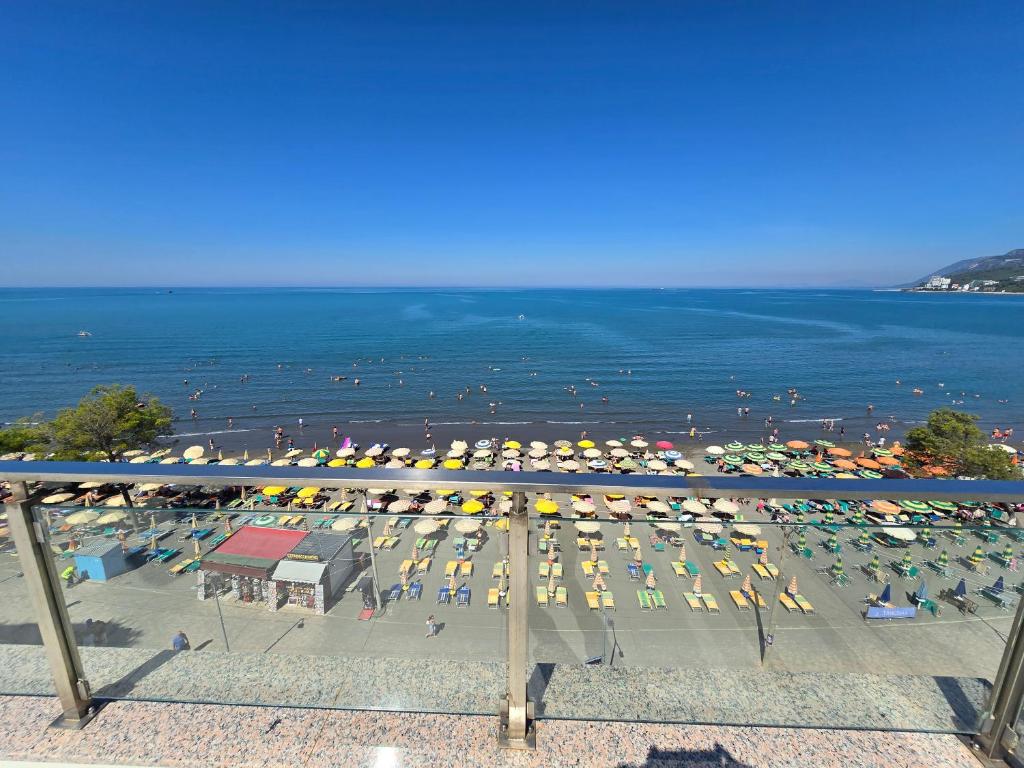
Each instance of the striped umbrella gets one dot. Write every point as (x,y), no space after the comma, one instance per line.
(763,559)
(833,541)
(745,586)
(792,588)
(864,538)
(697,583)
(651,582)
(837,567)
(874,564)
(682,554)
(907,559)
(943,506)
(943,558)
(1007,552)
(801,541)
(912,505)
(978,556)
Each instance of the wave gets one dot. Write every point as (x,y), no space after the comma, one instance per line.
(212,432)
(812,421)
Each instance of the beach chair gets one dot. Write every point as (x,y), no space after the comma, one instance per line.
(602,568)
(405,567)
(942,570)
(450,568)
(593,600)
(498,570)
(561,596)
(466,569)
(691,569)
(693,601)
(378,542)
(710,603)
(177,568)
(739,600)
(444,596)
(193,566)
(542,596)
(556,570)
(621,544)
(632,541)
(633,569)
(645,600)
(755,597)
(588,569)
(415,591)
(607,600)
(722,566)
(392,542)
(762,572)
(773,570)
(678,568)
(167,555)
(462,595)
(582,544)
(492,597)
(423,566)
(658,599)
(803,604)
(787,602)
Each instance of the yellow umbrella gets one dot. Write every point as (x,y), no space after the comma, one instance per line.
(452,464)
(336,463)
(444,492)
(308,492)
(501,525)
(365,463)
(478,494)
(546,506)
(585,443)
(472,506)
(515,445)
(274,490)
(424,463)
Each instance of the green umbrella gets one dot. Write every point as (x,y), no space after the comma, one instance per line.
(882,452)
(907,559)
(734,446)
(755,456)
(943,558)
(865,539)
(926,532)
(829,517)
(755,447)
(1007,552)
(837,567)
(958,523)
(821,466)
(914,506)
(979,555)
(873,565)
(825,443)
(858,516)
(731,459)
(776,456)
(870,474)
(801,541)
(833,541)
(943,506)
(798,465)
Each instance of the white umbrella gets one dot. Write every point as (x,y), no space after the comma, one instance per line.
(426,526)
(683,464)
(613,443)
(395,464)
(90,484)
(229,462)
(657,506)
(903,534)
(194,452)
(170,460)
(509,453)
(281,463)
(378,491)
(504,506)
(694,507)
(747,529)
(726,507)
(460,445)
(140,459)
(467,526)
(114,501)
(714,450)
(588,526)
(541,464)
(133,452)
(345,524)
(309,461)
(657,465)
(709,525)
(569,466)
(638,443)
(255,462)
(483,453)
(540,453)
(618,453)
(400,505)
(538,445)
(112,517)
(592,453)
(583,507)
(80,518)
(666,526)
(344,453)
(57,498)
(148,487)
(435,506)
(293,453)
(400,453)
(374,451)
(204,460)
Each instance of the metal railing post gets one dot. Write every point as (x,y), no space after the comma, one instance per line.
(998,736)
(516,727)
(58,637)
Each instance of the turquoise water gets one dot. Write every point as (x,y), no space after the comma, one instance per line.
(688,351)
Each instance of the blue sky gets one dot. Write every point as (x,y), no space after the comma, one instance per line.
(484,144)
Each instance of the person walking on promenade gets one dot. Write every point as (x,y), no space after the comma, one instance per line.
(180,642)
(431,626)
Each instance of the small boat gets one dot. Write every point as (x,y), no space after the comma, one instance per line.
(84,334)
(521,317)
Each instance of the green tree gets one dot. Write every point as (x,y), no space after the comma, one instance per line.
(107,422)
(25,436)
(952,437)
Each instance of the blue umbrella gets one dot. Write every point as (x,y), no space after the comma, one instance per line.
(961,589)
(998,587)
(922,591)
(886,595)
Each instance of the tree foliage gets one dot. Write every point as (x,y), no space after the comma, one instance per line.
(24,436)
(107,422)
(953,438)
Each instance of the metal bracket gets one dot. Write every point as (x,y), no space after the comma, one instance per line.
(529,741)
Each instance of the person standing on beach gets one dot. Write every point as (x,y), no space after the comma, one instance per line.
(431,626)
(334,432)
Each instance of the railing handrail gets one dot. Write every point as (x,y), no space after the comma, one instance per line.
(706,486)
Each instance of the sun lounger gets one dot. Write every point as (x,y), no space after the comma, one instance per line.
(607,600)
(395,592)
(562,596)
(773,570)
(693,601)
(761,571)
(450,568)
(803,604)
(542,596)
(177,568)
(710,603)
(415,591)
(444,596)
(556,570)
(678,568)
(543,569)
(406,566)
(378,542)
(621,543)
(492,597)
(645,599)
(739,600)
(723,568)
(462,595)
(588,568)
(756,598)
(167,555)
(466,570)
(633,569)
(787,602)
(582,544)
(658,599)
(593,600)
(423,566)
(602,568)
(498,570)
(691,569)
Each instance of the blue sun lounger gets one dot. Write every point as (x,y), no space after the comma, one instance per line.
(462,595)
(634,571)
(415,591)
(444,597)
(395,593)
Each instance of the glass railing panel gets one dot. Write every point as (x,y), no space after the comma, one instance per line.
(326,603)
(826,620)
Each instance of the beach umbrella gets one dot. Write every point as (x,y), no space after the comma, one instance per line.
(657,465)
(618,453)
(514,445)
(682,553)
(651,582)
(694,507)
(821,466)
(797,445)
(424,463)
(763,558)
(374,451)
(840,452)
(868,463)
(569,466)
(775,456)
(435,506)
(426,527)
(844,464)
(193,452)
(231,462)
(625,529)
(293,453)
(683,464)
(833,541)
(592,453)
(801,540)
(274,490)
(886,595)
(452,464)
(613,443)
(697,584)
(756,456)
(394,464)
(57,498)
(747,529)
(734,446)
(900,533)
(588,526)
(824,443)
(399,505)
(714,450)
(255,462)
(112,517)
(400,453)
(670,526)
(829,518)
(599,585)
(727,507)
(888,461)
(483,453)
(885,507)
(658,506)
(149,487)
(365,463)
(479,493)
(597,463)
(907,559)
(540,453)
(961,589)
(865,539)
(344,453)
(943,506)
(914,506)
(82,518)
(344,524)
(638,443)
(467,526)
(752,469)
(170,460)
(837,567)
(1008,551)
(874,565)
(546,506)
(745,586)
(664,445)
(673,455)
(709,525)
(593,551)
(140,460)
(538,445)
(281,463)
(586,444)
(943,558)
(307,492)
(732,458)
(472,506)
(583,507)
(792,588)
(482,444)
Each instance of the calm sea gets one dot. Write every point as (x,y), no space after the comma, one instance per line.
(656,355)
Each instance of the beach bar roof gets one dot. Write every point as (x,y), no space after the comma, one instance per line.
(252,551)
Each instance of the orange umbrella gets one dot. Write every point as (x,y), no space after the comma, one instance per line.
(745,586)
(868,463)
(844,464)
(840,452)
(799,445)
(763,559)
(897,449)
(936,470)
(696,586)
(885,507)
(888,461)
(792,588)
(651,583)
